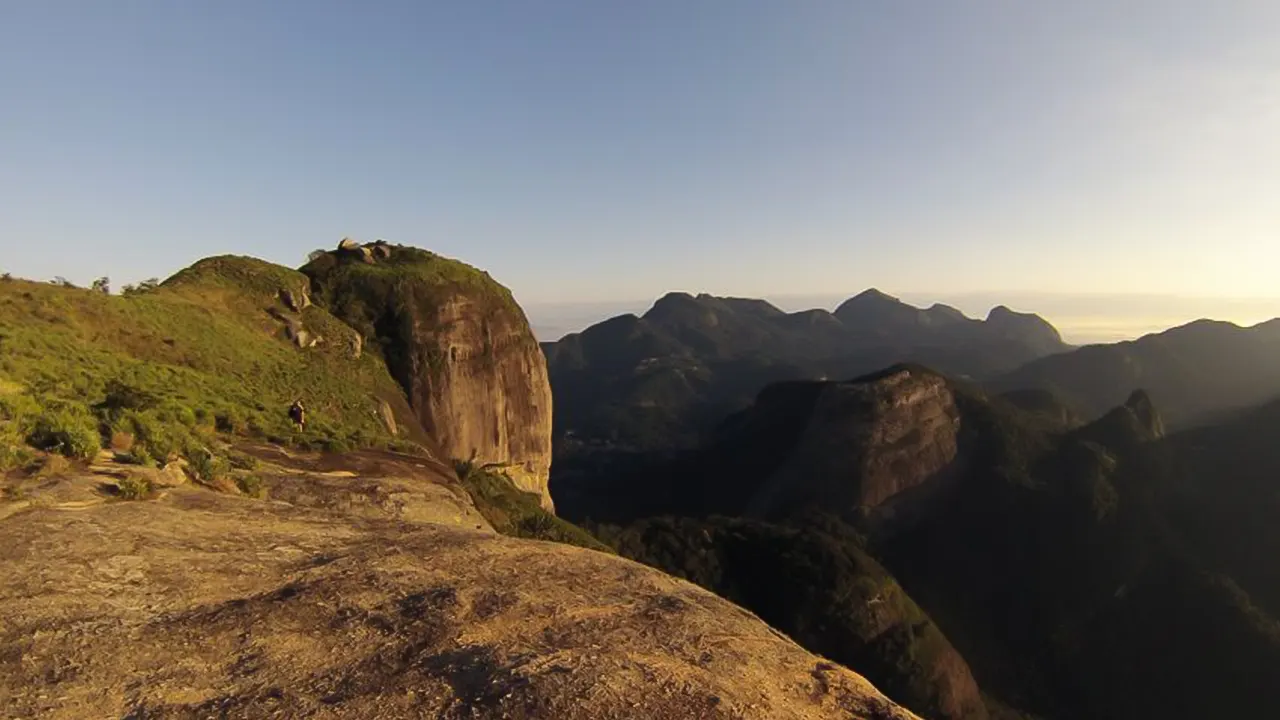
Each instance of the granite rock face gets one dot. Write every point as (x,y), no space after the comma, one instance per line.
(867,442)
(481,389)
(460,347)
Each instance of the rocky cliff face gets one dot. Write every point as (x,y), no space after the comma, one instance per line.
(460,347)
(867,442)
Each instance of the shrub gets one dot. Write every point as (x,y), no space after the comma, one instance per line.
(250,485)
(13,453)
(175,413)
(465,468)
(133,487)
(19,408)
(241,461)
(157,438)
(207,465)
(136,456)
(66,431)
(228,420)
(332,445)
(145,286)
(121,397)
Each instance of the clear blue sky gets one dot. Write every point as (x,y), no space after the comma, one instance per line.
(597,149)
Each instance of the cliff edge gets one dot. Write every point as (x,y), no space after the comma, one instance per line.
(197,604)
(459,346)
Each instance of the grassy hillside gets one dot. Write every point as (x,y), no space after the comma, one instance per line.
(206,352)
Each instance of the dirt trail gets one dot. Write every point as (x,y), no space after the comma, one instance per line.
(313,604)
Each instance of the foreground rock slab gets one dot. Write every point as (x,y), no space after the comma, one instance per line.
(200,605)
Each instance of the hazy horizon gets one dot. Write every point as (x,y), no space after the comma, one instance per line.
(1081,319)
(588,152)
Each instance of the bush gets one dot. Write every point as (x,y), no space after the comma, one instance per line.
(155,437)
(465,468)
(207,465)
(136,456)
(229,420)
(13,453)
(66,431)
(19,408)
(121,397)
(250,485)
(133,487)
(241,461)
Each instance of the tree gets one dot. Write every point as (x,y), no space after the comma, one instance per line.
(145,286)
(102,285)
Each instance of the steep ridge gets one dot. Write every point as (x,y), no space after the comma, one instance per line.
(1192,372)
(458,344)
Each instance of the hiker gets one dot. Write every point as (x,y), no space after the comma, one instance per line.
(298,414)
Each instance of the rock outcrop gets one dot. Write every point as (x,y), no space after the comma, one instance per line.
(461,349)
(867,442)
(196,604)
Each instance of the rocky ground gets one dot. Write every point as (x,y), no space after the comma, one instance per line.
(362,587)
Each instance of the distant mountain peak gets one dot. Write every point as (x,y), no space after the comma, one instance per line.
(677,296)
(673,303)
(874,294)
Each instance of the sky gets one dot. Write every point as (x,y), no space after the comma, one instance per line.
(597,153)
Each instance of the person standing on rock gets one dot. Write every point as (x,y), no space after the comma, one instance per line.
(298,414)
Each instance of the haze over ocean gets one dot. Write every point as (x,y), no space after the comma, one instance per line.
(1082,319)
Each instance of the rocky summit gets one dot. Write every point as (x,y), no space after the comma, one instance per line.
(458,345)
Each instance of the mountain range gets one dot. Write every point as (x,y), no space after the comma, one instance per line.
(659,379)
(996,525)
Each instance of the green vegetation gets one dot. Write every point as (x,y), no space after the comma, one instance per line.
(360,292)
(207,466)
(513,512)
(133,487)
(201,354)
(251,485)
